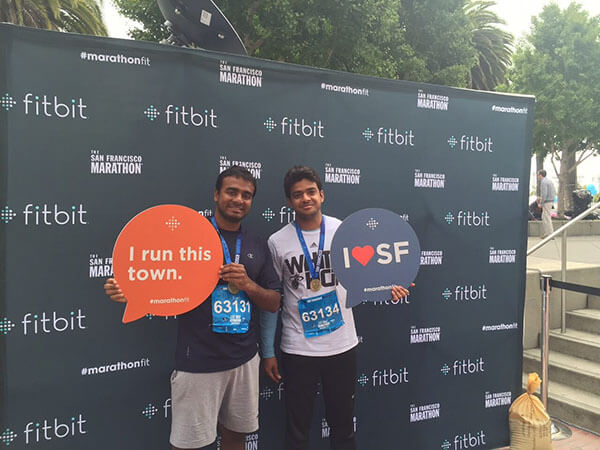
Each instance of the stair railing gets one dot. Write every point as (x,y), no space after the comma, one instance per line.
(563,258)
(559,431)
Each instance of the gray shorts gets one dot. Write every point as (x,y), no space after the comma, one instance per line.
(200,400)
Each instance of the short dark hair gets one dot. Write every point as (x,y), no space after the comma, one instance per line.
(237,172)
(298,173)
(542,173)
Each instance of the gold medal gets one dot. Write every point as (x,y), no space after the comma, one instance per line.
(315,285)
(233,288)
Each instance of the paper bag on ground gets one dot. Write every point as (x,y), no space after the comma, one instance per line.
(530,427)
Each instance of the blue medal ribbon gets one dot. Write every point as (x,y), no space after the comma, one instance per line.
(238,245)
(313,268)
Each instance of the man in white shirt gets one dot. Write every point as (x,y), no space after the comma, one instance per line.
(319,339)
(545,202)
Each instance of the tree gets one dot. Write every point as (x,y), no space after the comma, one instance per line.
(424,40)
(440,34)
(357,36)
(559,65)
(78,16)
(494,46)
(361,36)
(147,13)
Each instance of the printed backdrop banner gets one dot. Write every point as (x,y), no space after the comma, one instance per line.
(95,130)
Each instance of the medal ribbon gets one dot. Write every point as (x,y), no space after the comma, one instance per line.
(238,245)
(314,269)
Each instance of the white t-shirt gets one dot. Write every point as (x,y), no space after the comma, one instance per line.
(289,263)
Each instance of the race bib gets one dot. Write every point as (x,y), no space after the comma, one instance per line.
(230,312)
(320,315)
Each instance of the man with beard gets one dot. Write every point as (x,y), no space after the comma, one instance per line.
(215,381)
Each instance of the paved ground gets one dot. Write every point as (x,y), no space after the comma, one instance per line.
(580,250)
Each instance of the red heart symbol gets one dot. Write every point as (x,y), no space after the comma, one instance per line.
(363,254)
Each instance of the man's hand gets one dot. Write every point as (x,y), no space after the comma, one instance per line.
(112,289)
(271,369)
(236,274)
(399,292)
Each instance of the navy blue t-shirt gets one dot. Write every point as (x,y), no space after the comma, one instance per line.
(199,349)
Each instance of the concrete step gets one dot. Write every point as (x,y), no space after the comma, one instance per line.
(566,369)
(593,302)
(572,405)
(576,343)
(587,320)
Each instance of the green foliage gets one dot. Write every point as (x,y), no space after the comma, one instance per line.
(78,16)
(559,65)
(494,46)
(147,13)
(356,35)
(418,40)
(440,34)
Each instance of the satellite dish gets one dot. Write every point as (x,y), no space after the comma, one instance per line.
(202,23)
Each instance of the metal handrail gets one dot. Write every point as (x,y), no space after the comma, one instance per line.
(562,229)
(563,259)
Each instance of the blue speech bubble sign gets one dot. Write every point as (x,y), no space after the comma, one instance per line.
(372,250)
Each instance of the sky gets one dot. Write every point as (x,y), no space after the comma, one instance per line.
(517,13)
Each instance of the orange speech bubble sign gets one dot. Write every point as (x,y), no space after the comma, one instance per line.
(166,261)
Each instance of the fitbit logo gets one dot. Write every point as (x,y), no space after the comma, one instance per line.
(52,106)
(465,293)
(463,367)
(286,214)
(8,436)
(7,102)
(6,326)
(471,143)
(384,377)
(464,441)
(390,136)
(53,215)
(268,214)
(184,115)
(267,393)
(149,411)
(468,218)
(7,214)
(52,322)
(296,127)
(363,380)
(47,430)
(387,377)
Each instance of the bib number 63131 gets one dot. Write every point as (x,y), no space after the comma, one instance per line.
(228,306)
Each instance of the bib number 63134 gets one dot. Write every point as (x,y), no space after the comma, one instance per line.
(320,313)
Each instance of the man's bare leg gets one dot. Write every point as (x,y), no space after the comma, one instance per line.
(231,440)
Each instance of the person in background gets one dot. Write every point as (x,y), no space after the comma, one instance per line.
(545,201)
